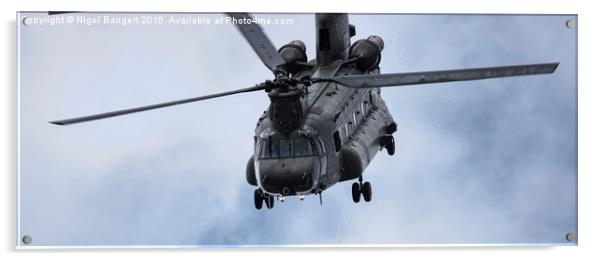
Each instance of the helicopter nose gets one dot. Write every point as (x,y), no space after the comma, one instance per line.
(287,176)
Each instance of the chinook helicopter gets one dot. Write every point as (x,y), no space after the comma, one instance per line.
(326,120)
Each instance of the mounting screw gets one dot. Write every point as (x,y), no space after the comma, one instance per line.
(569,237)
(27,240)
(27,21)
(570,23)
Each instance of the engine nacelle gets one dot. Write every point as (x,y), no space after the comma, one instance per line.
(367,52)
(293,53)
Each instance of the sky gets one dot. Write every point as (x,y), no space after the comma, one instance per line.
(480,162)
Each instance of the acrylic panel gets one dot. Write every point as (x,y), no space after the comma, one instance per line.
(477,162)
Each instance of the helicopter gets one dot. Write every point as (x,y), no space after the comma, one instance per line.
(327,119)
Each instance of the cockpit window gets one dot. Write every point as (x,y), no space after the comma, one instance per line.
(303,147)
(264,148)
(273,148)
(286,148)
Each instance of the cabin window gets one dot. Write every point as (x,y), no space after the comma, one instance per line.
(346,131)
(363,105)
(337,141)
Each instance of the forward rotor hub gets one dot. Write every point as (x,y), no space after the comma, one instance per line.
(287,107)
(286,83)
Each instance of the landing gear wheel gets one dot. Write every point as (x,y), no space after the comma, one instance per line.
(389,142)
(269,201)
(258,195)
(391,128)
(391,147)
(367,191)
(355,192)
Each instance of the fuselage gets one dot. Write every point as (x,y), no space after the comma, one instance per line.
(339,129)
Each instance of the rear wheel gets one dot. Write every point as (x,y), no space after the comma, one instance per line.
(367,191)
(258,196)
(355,192)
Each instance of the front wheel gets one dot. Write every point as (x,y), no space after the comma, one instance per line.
(367,191)
(355,192)
(258,196)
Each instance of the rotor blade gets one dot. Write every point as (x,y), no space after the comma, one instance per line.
(155,106)
(258,40)
(398,79)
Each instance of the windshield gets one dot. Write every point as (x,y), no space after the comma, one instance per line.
(286,148)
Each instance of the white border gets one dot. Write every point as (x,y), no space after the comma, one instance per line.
(589,108)
(18,29)
(21,245)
